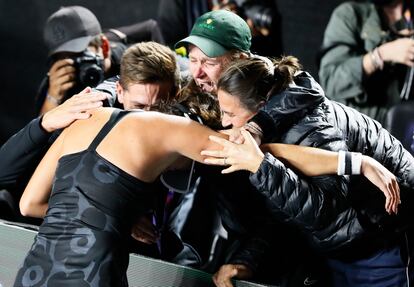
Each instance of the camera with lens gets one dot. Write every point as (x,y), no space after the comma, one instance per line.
(260,12)
(89,69)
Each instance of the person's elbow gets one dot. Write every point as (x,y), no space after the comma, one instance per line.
(28,208)
(24,207)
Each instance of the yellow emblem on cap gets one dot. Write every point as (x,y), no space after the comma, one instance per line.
(209,21)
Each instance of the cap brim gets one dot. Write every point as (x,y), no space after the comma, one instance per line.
(75,46)
(209,47)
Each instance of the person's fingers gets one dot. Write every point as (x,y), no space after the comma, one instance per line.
(82,116)
(215,161)
(86,106)
(59,64)
(68,78)
(82,94)
(247,135)
(391,201)
(230,169)
(214,153)
(220,141)
(387,204)
(88,97)
(147,229)
(142,239)
(87,90)
(215,280)
(226,132)
(394,197)
(141,235)
(396,190)
(222,281)
(86,100)
(236,139)
(61,73)
(66,86)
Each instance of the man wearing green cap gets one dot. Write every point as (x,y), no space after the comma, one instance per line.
(218,38)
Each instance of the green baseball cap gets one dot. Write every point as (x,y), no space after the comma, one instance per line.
(217,32)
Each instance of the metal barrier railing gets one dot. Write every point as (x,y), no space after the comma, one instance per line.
(16,240)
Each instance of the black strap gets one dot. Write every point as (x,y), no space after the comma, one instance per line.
(115,117)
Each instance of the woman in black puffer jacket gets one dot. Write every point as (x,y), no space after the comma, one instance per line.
(342,216)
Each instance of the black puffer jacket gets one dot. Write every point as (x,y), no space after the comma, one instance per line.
(334,211)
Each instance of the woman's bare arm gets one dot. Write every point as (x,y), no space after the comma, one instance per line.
(307,160)
(34,201)
(187,137)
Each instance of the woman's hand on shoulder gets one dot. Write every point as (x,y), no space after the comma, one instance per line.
(244,156)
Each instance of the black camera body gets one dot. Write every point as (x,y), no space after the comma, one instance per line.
(89,69)
(260,12)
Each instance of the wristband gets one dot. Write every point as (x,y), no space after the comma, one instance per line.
(53,100)
(377,60)
(349,163)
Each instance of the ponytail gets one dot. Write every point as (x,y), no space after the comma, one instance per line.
(255,79)
(284,73)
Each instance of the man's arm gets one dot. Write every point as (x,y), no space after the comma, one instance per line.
(23,151)
(109,87)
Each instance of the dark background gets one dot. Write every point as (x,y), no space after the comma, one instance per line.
(23,54)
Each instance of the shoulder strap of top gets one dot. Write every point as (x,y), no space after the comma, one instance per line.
(115,117)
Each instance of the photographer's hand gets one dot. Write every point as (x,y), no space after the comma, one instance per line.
(62,77)
(398,51)
(75,108)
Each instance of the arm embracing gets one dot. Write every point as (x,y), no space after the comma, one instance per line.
(21,152)
(34,201)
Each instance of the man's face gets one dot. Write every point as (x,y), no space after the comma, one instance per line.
(232,111)
(206,71)
(142,96)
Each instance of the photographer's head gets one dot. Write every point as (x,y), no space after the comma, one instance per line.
(217,38)
(70,29)
(74,33)
(149,76)
(247,85)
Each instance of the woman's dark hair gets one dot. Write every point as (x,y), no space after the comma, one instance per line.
(195,103)
(202,104)
(255,79)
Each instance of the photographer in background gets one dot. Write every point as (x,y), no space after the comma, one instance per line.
(79,56)
(368,54)
(261,16)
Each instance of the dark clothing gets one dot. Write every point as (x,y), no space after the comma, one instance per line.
(82,240)
(181,15)
(21,154)
(370,271)
(354,30)
(344,218)
(333,209)
(139,32)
